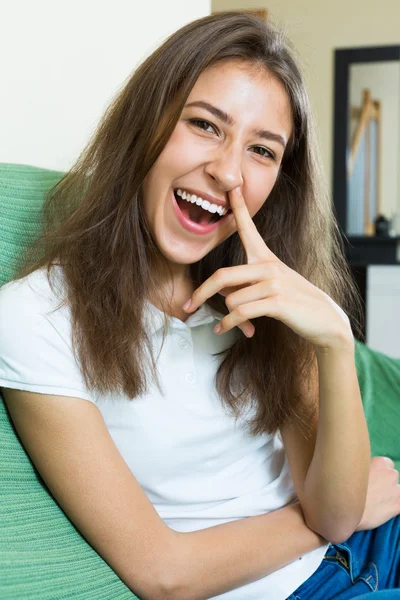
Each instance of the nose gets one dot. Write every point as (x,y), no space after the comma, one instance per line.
(226,168)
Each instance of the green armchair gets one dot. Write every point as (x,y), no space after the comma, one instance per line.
(42,555)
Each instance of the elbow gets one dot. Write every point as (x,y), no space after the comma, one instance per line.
(171,590)
(163,577)
(164,589)
(154,589)
(175,586)
(334,530)
(334,534)
(168,589)
(172,584)
(334,523)
(334,519)
(337,536)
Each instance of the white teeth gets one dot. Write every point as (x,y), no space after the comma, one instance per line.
(212,208)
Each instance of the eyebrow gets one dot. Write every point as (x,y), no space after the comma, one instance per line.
(225,118)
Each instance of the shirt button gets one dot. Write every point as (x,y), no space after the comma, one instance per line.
(190,378)
(183,344)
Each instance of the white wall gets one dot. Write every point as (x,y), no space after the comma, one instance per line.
(62,63)
(383,315)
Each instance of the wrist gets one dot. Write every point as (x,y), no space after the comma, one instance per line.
(343,344)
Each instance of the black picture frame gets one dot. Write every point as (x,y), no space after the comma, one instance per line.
(344,58)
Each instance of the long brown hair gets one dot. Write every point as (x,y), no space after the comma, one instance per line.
(94,227)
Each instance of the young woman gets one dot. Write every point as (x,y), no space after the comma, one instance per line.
(202,463)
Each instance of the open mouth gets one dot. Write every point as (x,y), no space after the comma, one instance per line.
(196,213)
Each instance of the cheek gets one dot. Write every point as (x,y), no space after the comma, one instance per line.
(180,154)
(261,190)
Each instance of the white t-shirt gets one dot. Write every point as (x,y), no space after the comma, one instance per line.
(197,467)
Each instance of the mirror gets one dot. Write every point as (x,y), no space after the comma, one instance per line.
(366,178)
(373,145)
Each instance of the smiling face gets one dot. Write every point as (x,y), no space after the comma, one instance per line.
(232,132)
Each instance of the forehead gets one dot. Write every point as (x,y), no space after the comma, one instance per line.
(247,92)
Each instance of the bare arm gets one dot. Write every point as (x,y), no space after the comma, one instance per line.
(335,487)
(73,451)
(225,557)
(330,468)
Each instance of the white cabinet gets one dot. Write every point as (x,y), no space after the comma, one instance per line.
(383,309)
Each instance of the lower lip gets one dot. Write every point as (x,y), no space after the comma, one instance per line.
(199,228)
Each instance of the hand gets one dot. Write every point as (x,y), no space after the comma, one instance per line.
(267,287)
(383,495)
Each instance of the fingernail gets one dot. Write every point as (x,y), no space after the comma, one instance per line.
(187,304)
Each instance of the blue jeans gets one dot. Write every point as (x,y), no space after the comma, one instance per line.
(368,562)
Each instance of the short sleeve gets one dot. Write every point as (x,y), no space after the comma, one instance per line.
(35,342)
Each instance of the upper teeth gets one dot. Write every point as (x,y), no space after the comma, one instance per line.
(212,208)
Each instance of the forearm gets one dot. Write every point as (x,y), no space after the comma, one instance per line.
(336,482)
(215,560)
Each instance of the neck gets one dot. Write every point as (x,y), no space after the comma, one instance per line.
(173,293)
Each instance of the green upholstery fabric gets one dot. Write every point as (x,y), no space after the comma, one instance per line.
(22,190)
(42,554)
(379,381)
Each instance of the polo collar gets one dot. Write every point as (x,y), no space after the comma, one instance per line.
(203,316)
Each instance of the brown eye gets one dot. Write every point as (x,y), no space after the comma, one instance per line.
(268,153)
(199,122)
